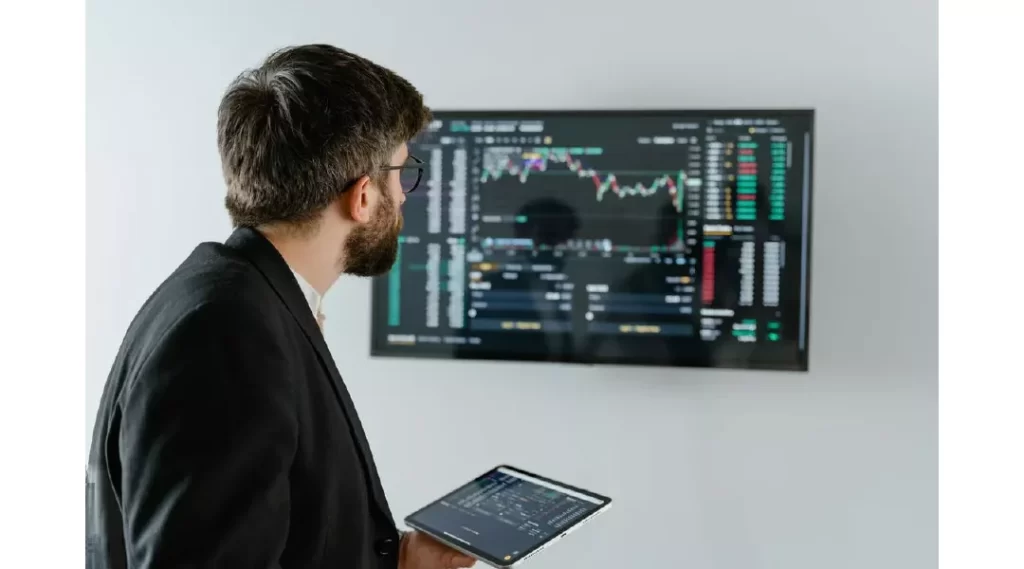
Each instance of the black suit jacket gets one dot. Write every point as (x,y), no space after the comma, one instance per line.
(225,436)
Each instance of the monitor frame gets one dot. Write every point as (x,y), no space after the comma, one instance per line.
(378,309)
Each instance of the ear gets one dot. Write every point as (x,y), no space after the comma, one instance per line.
(356,202)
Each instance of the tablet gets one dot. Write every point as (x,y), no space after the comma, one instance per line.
(506,515)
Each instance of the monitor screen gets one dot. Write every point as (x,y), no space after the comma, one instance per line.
(673,238)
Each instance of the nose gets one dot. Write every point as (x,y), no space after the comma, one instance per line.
(401,200)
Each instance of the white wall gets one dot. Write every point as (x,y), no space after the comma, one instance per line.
(711,469)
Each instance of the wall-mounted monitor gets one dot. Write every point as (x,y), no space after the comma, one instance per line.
(669,238)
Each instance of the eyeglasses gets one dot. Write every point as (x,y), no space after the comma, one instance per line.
(409,177)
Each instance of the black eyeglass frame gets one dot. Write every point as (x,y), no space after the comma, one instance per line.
(418,165)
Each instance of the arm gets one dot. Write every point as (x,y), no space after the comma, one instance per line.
(208,434)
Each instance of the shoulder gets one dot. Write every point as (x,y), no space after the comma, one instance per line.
(215,275)
(212,330)
(213,305)
(213,351)
(212,288)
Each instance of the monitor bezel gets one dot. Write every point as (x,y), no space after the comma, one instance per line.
(802,362)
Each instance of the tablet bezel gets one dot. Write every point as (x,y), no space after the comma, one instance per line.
(487,558)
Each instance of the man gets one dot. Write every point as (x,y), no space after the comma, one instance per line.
(225,435)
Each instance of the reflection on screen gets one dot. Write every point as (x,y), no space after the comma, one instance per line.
(657,238)
(506,514)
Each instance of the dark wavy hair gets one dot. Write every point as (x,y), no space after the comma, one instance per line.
(294,132)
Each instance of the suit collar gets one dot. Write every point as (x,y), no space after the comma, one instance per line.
(252,245)
(262,253)
(268,259)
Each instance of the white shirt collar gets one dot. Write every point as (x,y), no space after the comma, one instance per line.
(313,298)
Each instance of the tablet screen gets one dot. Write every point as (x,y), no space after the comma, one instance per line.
(506,514)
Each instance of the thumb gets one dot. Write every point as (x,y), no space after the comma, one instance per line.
(456,560)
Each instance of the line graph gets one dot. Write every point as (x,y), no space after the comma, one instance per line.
(521,164)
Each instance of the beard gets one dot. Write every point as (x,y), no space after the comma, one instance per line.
(371,249)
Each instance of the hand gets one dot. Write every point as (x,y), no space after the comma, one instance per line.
(420,551)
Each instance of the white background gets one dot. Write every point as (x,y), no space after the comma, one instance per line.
(836,466)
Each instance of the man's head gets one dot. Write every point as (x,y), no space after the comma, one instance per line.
(312,143)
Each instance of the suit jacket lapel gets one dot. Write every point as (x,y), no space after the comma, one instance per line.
(255,247)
